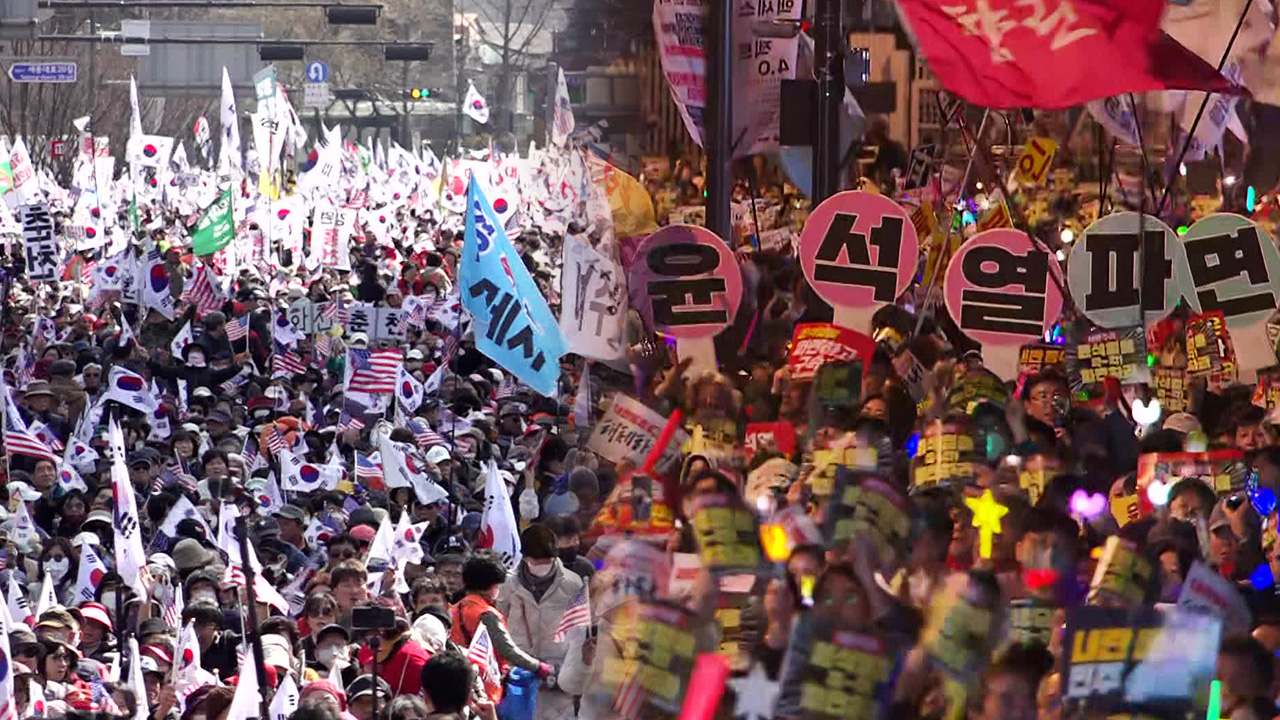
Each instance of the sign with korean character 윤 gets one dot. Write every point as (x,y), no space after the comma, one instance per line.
(686,283)
(40,245)
(859,252)
(1106,281)
(1003,291)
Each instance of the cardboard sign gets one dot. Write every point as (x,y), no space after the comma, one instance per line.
(628,432)
(780,436)
(1171,389)
(686,283)
(1136,659)
(859,252)
(1121,354)
(1034,162)
(826,463)
(1123,575)
(1210,351)
(40,247)
(1035,357)
(657,651)
(727,533)
(842,674)
(1266,394)
(976,387)
(863,503)
(837,385)
(1105,279)
(1205,591)
(945,457)
(1031,621)
(378,323)
(1003,292)
(814,344)
(1223,471)
(959,627)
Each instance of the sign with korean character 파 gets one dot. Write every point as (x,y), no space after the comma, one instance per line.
(859,252)
(1106,281)
(686,283)
(39,243)
(1003,291)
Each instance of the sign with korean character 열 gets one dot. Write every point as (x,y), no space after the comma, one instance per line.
(858,251)
(686,283)
(1003,291)
(1106,281)
(41,247)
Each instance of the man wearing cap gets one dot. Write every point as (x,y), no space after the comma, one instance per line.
(67,393)
(293,526)
(38,405)
(360,696)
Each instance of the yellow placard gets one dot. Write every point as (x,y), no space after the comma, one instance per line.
(1037,156)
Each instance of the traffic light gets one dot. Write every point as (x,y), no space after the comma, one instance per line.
(418,93)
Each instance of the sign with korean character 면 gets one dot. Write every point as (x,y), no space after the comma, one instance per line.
(1234,267)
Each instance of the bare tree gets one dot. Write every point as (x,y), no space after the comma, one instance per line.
(511,30)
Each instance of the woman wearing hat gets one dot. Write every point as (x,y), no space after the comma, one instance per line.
(56,669)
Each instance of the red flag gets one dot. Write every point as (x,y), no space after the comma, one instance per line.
(1053,54)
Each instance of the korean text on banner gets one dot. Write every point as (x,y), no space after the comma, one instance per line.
(815,344)
(629,430)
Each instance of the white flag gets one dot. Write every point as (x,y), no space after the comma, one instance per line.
(406,548)
(23,532)
(19,608)
(47,598)
(149,151)
(400,468)
(136,683)
(582,401)
(230,160)
(188,675)
(135,112)
(130,557)
(383,542)
(498,529)
(474,105)
(432,385)
(246,703)
(562,123)
(409,392)
(183,509)
(90,573)
(130,389)
(285,700)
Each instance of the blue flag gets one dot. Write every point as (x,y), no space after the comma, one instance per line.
(513,324)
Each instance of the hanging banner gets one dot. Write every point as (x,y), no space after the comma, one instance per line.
(1002,291)
(686,283)
(44,260)
(629,430)
(836,254)
(1234,267)
(1105,280)
(815,344)
(760,66)
(593,302)
(679,26)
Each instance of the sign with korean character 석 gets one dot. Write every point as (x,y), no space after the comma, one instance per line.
(859,252)
(1104,277)
(1003,291)
(1121,354)
(686,283)
(41,247)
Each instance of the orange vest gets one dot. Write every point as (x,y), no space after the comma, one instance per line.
(466,620)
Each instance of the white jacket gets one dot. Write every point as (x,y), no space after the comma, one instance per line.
(533,622)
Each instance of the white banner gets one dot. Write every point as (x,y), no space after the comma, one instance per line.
(593,302)
(679,25)
(760,66)
(629,430)
(42,253)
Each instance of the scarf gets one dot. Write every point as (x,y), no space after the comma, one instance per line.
(537,586)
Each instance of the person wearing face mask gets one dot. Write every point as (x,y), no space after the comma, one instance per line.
(534,600)
(333,655)
(569,545)
(57,561)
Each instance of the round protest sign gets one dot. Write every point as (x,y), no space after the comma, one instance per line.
(858,251)
(688,284)
(1113,269)
(1002,291)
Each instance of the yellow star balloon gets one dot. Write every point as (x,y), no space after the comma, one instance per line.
(986,517)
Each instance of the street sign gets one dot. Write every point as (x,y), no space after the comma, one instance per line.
(264,83)
(57,148)
(44,72)
(317,71)
(135,50)
(315,95)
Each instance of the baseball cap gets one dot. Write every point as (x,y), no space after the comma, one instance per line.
(97,613)
(437,454)
(291,512)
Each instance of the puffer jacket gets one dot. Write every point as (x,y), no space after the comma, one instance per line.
(532,624)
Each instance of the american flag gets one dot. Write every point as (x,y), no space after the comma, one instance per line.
(323,346)
(250,451)
(290,364)
(238,329)
(367,469)
(450,347)
(86,272)
(234,575)
(481,652)
(358,200)
(102,699)
(203,291)
(630,696)
(576,614)
(173,611)
(347,421)
(18,440)
(373,371)
(336,312)
(275,441)
(506,388)
(423,434)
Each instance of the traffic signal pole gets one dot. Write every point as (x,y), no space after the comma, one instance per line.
(718,124)
(828,55)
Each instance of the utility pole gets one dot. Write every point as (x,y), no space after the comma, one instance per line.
(717,127)
(828,57)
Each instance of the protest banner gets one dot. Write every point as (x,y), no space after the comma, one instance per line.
(865,504)
(839,674)
(40,247)
(1210,350)
(1119,354)
(836,254)
(1205,591)
(628,431)
(814,344)
(727,533)
(655,659)
(593,302)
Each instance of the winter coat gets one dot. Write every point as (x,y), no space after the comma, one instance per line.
(533,623)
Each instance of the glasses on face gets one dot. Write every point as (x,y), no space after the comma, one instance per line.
(93,374)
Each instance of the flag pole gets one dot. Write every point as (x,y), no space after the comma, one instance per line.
(1204,103)
(255,638)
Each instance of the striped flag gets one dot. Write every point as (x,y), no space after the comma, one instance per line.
(101,698)
(86,272)
(204,291)
(630,696)
(173,610)
(347,421)
(367,469)
(238,329)
(373,371)
(286,363)
(480,652)
(323,346)
(18,440)
(576,614)
(358,200)
(276,442)
(423,434)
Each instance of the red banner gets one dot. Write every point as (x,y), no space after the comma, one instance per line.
(815,344)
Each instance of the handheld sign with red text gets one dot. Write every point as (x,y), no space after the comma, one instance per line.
(858,251)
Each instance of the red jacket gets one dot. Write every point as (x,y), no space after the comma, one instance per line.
(402,668)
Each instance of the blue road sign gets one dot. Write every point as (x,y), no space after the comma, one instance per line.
(317,71)
(43,72)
